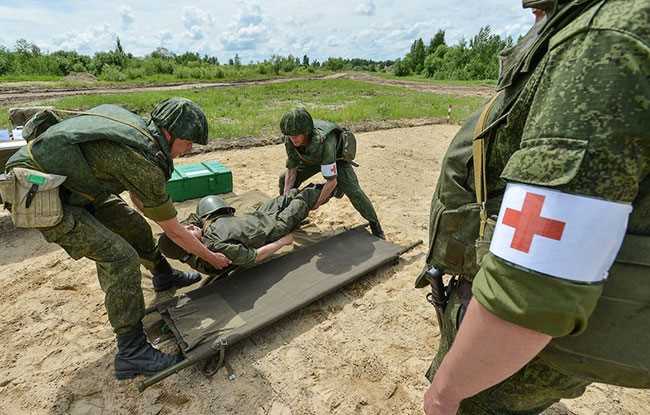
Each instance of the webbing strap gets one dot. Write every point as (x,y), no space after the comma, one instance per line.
(479,154)
(139,129)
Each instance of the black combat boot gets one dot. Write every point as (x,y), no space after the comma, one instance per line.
(376,230)
(135,356)
(165,277)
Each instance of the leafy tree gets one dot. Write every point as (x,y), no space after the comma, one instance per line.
(305,60)
(437,40)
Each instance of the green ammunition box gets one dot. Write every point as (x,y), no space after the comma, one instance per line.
(192,181)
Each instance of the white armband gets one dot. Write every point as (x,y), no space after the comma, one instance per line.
(328,170)
(571,237)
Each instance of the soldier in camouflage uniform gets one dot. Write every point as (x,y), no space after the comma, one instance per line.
(562,298)
(103,153)
(247,239)
(313,146)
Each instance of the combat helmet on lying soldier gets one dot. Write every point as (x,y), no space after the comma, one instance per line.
(541,215)
(94,157)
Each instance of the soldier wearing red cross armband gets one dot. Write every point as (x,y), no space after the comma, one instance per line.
(545,231)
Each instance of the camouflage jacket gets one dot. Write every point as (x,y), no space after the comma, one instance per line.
(580,125)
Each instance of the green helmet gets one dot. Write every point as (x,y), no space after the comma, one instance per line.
(213,205)
(297,122)
(182,118)
(170,249)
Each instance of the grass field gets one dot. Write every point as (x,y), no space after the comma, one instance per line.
(55,82)
(256,110)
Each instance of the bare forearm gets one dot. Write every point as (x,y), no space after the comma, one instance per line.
(266,251)
(290,179)
(326,192)
(190,244)
(486,351)
(269,249)
(183,238)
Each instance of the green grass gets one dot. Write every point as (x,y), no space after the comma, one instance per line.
(424,79)
(256,110)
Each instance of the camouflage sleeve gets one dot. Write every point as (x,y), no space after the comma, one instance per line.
(239,254)
(328,158)
(587,133)
(293,161)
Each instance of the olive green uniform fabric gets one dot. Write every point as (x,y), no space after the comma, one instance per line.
(581,126)
(104,228)
(324,150)
(238,237)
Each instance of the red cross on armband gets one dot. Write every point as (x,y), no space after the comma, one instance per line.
(563,235)
(528,222)
(328,170)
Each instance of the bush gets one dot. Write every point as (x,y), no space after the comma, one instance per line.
(112,73)
(401,68)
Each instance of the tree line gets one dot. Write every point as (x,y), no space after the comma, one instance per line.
(27,59)
(477,59)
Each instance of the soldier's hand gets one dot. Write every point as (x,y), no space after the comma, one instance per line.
(436,405)
(219,261)
(287,240)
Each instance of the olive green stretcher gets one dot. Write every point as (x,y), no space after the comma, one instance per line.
(209,319)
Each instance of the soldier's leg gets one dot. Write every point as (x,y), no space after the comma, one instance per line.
(292,209)
(528,392)
(303,174)
(120,218)
(118,267)
(349,185)
(118,270)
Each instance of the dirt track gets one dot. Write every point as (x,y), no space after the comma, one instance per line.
(362,350)
(13,94)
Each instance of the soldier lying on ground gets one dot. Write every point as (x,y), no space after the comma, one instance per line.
(247,239)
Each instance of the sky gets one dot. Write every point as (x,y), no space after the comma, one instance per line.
(254,29)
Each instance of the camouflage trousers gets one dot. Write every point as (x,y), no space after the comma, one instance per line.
(347,184)
(118,239)
(289,210)
(530,391)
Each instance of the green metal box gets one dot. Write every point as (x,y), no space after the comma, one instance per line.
(192,181)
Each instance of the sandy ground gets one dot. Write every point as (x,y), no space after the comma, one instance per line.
(361,350)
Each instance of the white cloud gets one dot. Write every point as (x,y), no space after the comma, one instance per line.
(366,8)
(256,29)
(196,22)
(165,38)
(100,38)
(126,16)
(249,30)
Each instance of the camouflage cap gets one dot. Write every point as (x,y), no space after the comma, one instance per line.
(170,249)
(297,122)
(182,118)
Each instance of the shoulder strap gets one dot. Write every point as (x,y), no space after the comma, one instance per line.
(479,150)
(141,130)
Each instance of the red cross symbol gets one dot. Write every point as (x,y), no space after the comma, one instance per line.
(333,169)
(528,222)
